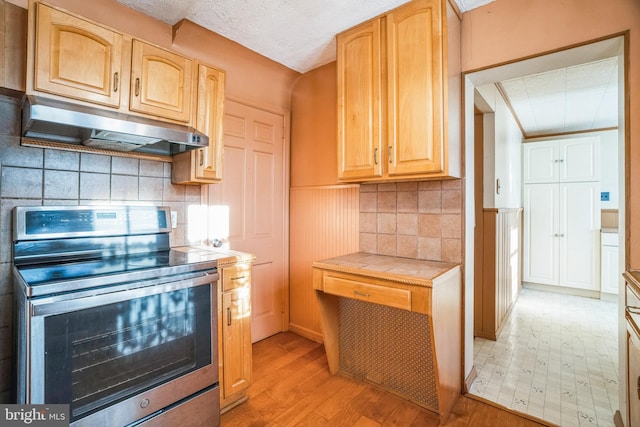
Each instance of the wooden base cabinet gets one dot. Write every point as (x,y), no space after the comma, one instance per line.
(396,323)
(632,315)
(633,375)
(234,332)
(399,95)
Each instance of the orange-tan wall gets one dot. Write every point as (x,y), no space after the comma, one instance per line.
(323,217)
(507,30)
(314,153)
(250,77)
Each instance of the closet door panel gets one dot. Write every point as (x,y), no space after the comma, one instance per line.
(540,234)
(580,235)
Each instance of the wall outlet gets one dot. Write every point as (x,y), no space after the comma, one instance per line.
(604,196)
(174,219)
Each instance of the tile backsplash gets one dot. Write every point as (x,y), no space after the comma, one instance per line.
(421,220)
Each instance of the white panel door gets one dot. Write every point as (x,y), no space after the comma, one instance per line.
(579,231)
(541,244)
(251,200)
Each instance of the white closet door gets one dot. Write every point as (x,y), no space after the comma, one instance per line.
(541,245)
(580,235)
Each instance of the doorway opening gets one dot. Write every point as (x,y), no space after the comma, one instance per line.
(531,337)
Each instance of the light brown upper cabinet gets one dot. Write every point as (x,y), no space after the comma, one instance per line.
(399,107)
(204,165)
(76,58)
(360,138)
(160,82)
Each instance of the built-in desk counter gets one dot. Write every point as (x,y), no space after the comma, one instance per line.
(395,322)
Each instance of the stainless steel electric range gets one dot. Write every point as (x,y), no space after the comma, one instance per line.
(110,320)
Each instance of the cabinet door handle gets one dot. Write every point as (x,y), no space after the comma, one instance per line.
(201,152)
(638,387)
(238,278)
(361,294)
(375,156)
(228,316)
(137,86)
(390,154)
(116,81)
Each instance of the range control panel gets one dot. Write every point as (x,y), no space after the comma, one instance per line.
(43,222)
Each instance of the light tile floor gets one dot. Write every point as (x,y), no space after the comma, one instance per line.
(556,358)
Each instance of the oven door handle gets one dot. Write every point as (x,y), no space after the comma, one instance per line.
(54,305)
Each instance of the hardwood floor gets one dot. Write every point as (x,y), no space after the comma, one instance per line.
(292,386)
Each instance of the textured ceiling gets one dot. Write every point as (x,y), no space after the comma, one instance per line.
(299,34)
(570,99)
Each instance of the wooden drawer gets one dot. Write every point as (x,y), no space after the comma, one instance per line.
(392,297)
(236,276)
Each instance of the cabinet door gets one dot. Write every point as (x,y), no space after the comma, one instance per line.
(359,102)
(566,160)
(209,115)
(579,231)
(609,275)
(236,333)
(580,160)
(540,162)
(541,238)
(160,82)
(415,88)
(633,375)
(77,59)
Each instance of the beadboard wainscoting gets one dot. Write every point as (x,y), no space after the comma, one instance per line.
(323,224)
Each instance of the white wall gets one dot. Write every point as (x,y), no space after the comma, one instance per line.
(502,153)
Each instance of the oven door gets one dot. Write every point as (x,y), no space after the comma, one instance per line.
(122,356)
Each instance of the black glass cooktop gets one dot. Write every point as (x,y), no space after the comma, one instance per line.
(42,274)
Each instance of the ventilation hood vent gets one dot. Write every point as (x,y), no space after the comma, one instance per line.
(67,123)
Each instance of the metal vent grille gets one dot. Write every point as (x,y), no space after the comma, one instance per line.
(388,347)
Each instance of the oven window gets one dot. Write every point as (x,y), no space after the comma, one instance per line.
(99,356)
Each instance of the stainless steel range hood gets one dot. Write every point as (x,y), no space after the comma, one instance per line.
(64,122)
